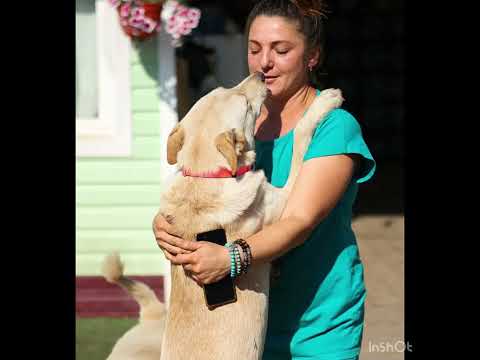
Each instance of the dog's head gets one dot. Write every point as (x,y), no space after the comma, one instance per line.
(218,130)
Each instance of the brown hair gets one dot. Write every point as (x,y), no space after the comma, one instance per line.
(308,14)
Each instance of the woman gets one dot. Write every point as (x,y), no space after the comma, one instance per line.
(316,304)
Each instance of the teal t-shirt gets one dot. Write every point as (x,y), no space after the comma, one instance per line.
(316,308)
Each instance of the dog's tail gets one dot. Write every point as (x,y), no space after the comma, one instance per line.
(150,306)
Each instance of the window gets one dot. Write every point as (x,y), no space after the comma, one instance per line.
(103,110)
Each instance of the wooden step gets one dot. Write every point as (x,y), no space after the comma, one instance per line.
(95,297)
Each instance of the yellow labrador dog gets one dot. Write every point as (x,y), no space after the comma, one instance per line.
(215,187)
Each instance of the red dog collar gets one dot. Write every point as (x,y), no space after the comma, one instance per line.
(220,173)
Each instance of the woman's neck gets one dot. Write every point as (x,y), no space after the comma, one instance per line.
(281,106)
(278,116)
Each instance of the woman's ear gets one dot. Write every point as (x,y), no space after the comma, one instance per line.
(313,58)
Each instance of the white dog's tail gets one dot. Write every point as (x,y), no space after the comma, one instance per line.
(150,307)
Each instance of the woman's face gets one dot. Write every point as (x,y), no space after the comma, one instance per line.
(276,48)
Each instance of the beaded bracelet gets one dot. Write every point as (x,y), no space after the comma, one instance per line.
(233,270)
(247,252)
(238,261)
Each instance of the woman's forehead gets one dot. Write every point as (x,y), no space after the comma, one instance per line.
(273,29)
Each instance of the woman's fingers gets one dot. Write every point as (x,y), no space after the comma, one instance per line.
(185,259)
(173,250)
(187,245)
(188,268)
(160,222)
(196,279)
(168,255)
(180,259)
(170,248)
(162,230)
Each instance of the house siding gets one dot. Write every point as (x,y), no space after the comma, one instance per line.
(117,198)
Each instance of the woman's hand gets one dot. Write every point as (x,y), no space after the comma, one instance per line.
(170,245)
(207,264)
(203,261)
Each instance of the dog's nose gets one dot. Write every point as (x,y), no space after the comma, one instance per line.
(260,76)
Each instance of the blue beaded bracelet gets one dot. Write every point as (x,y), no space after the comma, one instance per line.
(231,251)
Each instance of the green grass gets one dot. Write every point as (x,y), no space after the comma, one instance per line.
(95,337)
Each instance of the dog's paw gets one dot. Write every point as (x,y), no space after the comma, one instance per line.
(332,97)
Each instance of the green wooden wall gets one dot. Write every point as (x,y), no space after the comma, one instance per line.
(117,198)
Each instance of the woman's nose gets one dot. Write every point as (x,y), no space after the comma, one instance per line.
(266,60)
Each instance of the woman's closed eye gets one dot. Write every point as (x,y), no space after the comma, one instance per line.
(278,51)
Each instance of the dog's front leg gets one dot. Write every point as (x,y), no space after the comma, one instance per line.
(327,101)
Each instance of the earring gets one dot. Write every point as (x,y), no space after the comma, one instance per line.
(310,67)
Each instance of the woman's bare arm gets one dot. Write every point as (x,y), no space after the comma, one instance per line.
(318,188)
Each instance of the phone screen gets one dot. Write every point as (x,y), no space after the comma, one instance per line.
(223,291)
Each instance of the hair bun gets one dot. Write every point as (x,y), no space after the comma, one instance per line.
(313,8)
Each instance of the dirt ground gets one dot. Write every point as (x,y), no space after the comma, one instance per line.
(381,242)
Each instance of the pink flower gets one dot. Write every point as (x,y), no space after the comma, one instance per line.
(115,3)
(184,30)
(182,11)
(138,12)
(125,10)
(136,22)
(181,21)
(194,14)
(149,25)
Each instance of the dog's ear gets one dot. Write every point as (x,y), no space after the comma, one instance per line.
(174,143)
(231,144)
(240,141)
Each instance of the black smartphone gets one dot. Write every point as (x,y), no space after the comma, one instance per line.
(223,291)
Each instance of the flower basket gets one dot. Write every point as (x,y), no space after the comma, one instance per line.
(141,19)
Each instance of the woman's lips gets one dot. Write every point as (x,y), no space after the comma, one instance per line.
(270,79)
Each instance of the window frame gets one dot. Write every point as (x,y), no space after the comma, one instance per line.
(109,134)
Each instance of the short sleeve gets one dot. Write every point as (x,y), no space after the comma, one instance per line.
(340,133)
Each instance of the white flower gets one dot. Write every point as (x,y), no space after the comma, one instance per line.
(169,8)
